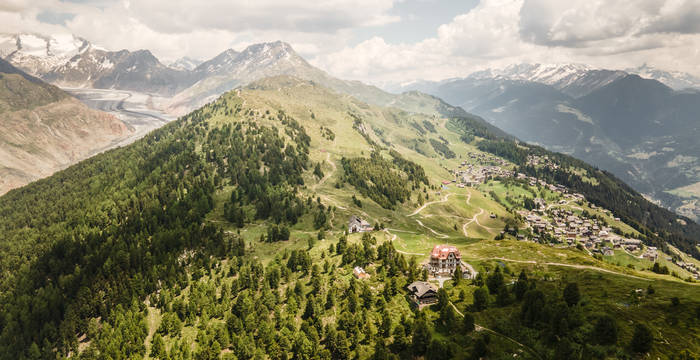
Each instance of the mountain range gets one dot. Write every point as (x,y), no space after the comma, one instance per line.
(638,128)
(187,87)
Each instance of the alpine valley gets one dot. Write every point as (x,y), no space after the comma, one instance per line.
(640,124)
(289,214)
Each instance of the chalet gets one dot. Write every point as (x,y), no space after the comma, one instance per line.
(357,224)
(360,273)
(422,293)
(444,259)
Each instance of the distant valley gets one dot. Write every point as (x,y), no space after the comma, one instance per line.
(641,129)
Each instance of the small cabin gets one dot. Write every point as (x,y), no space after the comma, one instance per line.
(422,293)
(356,224)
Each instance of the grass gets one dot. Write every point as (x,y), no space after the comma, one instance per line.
(605,290)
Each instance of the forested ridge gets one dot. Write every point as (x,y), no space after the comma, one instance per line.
(386,182)
(112,229)
(203,241)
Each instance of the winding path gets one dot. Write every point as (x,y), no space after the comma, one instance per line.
(439,235)
(582,267)
(328,175)
(478,327)
(464,227)
(444,199)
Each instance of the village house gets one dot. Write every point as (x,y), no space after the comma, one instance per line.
(360,273)
(444,259)
(357,224)
(422,293)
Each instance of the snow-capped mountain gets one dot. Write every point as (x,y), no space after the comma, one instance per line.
(676,80)
(71,61)
(575,80)
(222,61)
(231,68)
(185,63)
(39,54)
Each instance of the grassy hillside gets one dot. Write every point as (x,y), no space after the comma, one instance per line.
(222,235)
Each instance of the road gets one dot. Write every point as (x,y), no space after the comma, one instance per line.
(135,109)
(437,234)
(464,227)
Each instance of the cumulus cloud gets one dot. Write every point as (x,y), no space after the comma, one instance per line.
(605,33)
(495,33)
(173,28)
(304,16)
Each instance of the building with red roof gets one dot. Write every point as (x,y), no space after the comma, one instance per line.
(444,259)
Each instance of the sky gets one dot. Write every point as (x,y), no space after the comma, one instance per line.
(386,41)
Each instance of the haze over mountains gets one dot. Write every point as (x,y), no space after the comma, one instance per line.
(642,130)
(598,115)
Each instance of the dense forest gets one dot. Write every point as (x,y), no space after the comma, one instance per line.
(386,182)
(658,225)
(97,238)
(119,257)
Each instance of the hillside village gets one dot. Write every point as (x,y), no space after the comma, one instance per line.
(563,222)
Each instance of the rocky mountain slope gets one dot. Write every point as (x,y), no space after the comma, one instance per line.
(44,129)
(90,66)
(74,62)
(39,54)
(185,63)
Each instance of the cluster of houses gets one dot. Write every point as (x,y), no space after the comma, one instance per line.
(568,227)
(689,267)
(532,181)
(536,160)
(470,175)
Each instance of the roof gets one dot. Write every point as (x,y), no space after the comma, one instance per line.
(356,219)
(420,288)
(443,251)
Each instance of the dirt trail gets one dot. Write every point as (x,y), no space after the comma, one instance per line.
(437,234)
(327,176)
(444,199)
(464,227)
(478,327)
(582,267)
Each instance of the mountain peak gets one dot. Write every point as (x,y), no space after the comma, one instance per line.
(276,48)
(676,80)
(185,63)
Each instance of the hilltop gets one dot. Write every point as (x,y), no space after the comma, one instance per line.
(223,234)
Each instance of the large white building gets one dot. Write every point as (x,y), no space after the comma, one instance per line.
(444,259)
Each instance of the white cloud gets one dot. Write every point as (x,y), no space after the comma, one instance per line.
(604,33)
(201,29)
